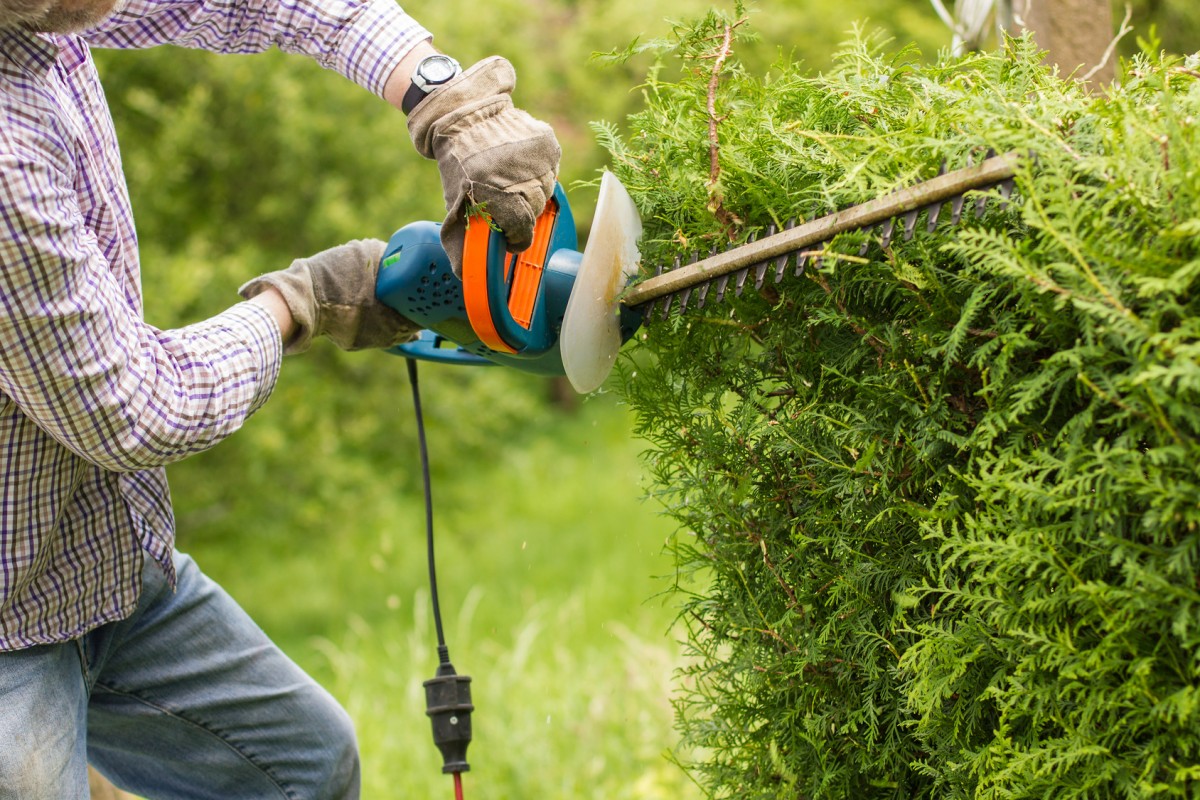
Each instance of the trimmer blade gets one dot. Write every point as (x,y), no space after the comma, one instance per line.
(891,217)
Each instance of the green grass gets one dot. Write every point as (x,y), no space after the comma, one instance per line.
(551,569)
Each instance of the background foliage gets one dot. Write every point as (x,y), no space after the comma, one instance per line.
(940,501)
(237,165)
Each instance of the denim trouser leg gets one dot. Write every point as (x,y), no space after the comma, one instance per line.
(188,698)
(43,708)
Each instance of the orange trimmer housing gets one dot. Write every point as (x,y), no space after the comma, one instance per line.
(503,292)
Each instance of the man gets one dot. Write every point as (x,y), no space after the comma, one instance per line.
(114,648)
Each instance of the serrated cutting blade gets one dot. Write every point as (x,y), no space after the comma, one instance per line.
(810,238)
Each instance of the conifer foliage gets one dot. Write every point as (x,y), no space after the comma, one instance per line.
(938,503)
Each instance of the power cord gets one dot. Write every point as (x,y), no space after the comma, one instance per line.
(447,694)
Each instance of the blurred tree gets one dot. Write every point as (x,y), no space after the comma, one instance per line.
(1076,35)
(1175,24)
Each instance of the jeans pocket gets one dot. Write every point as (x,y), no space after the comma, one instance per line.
(84,647)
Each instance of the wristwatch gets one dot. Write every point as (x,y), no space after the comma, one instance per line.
(432,71)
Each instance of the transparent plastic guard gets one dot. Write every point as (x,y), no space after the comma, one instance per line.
(591,335)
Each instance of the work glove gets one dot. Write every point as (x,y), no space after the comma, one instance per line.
(488,153)
(333,294)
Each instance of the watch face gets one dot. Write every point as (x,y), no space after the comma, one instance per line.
(436,70)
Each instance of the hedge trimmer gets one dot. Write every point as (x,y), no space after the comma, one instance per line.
(553,310)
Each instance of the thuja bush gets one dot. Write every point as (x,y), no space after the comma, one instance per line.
(938,503)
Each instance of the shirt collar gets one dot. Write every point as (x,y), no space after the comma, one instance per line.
(31,52)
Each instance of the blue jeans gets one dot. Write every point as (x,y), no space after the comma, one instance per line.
(185,698)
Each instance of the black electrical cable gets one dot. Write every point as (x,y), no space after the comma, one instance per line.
(443,651)
(447,694)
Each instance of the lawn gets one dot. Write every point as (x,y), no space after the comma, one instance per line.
(552,570)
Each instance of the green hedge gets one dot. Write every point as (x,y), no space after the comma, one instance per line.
(938,505)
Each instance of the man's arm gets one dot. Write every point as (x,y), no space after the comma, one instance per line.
(489,152)
(364,40)
(76,356)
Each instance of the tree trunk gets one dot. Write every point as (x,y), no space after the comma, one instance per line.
(1075,34)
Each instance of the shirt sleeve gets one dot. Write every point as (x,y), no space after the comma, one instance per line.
(76,356)
(361,39)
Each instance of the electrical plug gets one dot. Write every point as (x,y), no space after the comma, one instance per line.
(448,705)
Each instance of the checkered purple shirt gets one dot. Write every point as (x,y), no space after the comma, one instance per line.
(94,402)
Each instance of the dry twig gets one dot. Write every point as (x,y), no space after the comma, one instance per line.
(727,219)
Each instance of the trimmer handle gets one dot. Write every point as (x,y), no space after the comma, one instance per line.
(432,346)
(503,292)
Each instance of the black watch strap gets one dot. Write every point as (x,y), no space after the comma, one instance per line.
(414,95)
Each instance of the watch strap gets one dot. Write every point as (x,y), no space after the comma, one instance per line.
(414,95)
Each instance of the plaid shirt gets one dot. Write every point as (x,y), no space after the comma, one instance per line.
(93,401)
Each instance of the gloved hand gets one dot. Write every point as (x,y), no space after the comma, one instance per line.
(488,152)
(333,294)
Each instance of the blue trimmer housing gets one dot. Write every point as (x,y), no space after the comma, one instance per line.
(519,299)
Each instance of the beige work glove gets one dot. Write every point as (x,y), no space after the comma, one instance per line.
(333,294)
(488,153)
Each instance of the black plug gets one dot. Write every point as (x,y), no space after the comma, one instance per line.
(448,704)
